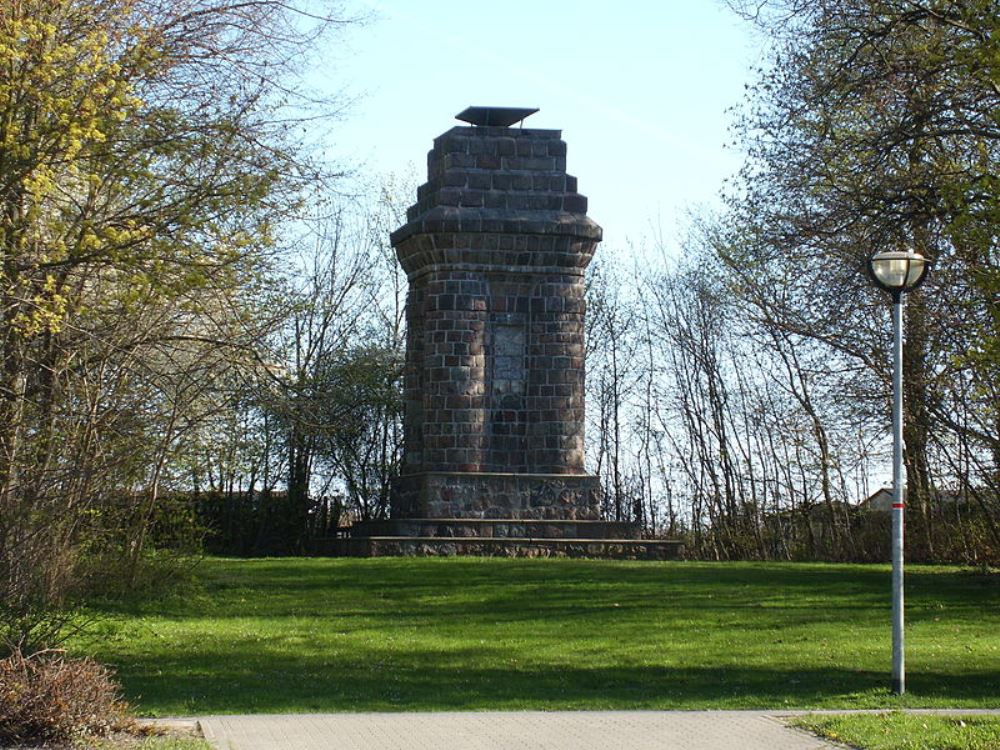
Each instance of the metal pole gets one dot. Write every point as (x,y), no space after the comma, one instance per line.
(898,498)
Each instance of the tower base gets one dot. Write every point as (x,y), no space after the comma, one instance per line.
(442,494)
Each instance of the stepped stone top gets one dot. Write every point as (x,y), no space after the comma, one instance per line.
(497,197)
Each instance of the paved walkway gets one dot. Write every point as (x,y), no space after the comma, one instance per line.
(514,730)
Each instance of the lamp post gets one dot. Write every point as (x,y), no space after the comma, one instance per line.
(897,272)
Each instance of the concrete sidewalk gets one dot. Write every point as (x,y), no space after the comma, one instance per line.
(510,730)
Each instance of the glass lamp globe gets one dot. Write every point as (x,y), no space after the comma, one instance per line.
(898,271)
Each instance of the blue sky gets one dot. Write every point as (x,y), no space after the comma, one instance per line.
(640,90)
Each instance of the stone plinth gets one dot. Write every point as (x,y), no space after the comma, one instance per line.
(411,546)
(497,495)
(496,528)
(495,250)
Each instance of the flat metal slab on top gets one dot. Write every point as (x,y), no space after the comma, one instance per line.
(502,117)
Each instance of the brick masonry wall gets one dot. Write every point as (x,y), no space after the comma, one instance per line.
(495,249)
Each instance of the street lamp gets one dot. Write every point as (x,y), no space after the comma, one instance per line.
(897,272)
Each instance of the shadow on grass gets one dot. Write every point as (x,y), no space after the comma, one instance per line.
(297,685)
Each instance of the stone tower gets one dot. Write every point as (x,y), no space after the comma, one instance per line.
(495,250)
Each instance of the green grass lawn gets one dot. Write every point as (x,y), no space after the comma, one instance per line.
(466,633)
(897,731)
(150,743)
(174,743)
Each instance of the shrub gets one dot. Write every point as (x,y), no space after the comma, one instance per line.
(48,697)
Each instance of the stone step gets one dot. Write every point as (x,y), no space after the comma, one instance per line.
(404,546)
(496,528)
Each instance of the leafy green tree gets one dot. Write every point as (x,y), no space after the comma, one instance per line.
(363,442)
(876,127)
(145,163)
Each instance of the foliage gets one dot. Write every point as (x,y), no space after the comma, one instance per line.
(901,731)
(259,524)
(740,396)
(363,440)
(875,127)
(394,634)
(48,697)
(317,434)
(145,162)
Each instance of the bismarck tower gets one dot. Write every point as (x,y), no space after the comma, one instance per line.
(495,250)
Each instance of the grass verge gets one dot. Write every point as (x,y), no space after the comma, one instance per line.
(156,743)
(899,731)
(174,743)
(394,634)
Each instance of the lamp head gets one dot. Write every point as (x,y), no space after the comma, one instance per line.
(898,271)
